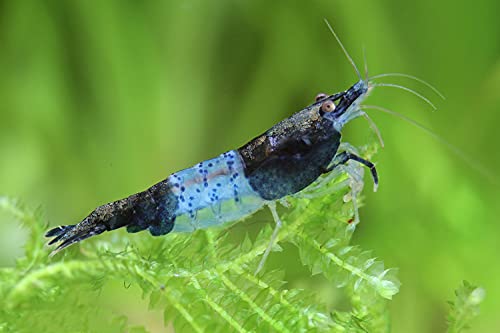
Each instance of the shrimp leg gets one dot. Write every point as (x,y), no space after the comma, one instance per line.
(277,220)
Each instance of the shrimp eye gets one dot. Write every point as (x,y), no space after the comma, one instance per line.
(319,97)
(328,106)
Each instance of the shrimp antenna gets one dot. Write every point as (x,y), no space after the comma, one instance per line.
(343,49)
(406,89)
(454,149)
(412,78)
(366,64)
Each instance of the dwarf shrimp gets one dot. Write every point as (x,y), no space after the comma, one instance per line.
(282,161)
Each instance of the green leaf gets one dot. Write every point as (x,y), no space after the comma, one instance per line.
(465,307)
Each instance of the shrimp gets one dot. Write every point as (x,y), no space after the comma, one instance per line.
(282,161)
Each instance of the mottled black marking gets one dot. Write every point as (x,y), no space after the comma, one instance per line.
(291,155)
(151,209)
(156,207)
(295,152)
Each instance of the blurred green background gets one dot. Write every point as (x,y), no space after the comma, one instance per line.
(99,100)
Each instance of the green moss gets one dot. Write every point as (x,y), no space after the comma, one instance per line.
(203,282)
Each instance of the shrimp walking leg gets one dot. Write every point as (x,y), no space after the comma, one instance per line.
(277,220)
(345,156)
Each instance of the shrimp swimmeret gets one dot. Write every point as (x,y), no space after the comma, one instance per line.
(282,161)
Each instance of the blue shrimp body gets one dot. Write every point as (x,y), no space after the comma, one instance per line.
(213,192)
